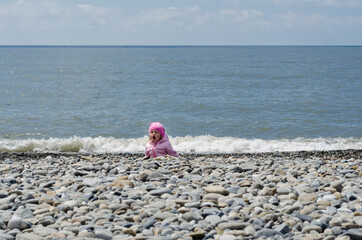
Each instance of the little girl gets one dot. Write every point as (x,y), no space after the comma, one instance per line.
(158,144)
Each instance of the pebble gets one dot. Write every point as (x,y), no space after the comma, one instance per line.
(216,189)
(355,234)
(19,223)
(232,225)
(267,233)
(294,195)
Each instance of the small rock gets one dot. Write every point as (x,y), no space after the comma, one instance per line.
(103,234)
(213,220)
(186,226)
(86,234)
(267,233)
(44,231)
(358,220)
(354,234)
(198,234)
(312,228)
(232,225)
(159,192)
(216,189)
(28,236)
(129,231)
(249,230)
(338,185)
(5,236)
(302,216)
(309,197)
(192,216)
(47,184)
(282,228)
(19,223)
(227,237)
(91,182)
(4,195)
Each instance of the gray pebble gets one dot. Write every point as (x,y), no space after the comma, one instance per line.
(192,216)
(282,228)
(232,225)
(6,236)
(303,217)
(19,223)
(354,234)
(28,236)
(103,234)
(47,184)
(267,233)
(214,220)
(159,192)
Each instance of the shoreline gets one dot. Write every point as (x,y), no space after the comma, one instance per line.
(348,153)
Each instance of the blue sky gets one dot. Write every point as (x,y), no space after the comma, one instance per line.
(181,22)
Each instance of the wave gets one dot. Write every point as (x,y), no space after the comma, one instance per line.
(187,144)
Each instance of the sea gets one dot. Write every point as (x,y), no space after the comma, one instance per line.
(211,99)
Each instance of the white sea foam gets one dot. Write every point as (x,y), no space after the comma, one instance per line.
(187,144)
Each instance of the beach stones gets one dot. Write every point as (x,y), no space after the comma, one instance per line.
(282,196)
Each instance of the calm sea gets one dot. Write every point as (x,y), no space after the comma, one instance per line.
(210,99)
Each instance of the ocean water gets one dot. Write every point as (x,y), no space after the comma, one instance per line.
(210,99)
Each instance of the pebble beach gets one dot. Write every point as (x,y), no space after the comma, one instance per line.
(280,195)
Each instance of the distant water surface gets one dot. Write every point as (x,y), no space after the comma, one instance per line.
(103,98)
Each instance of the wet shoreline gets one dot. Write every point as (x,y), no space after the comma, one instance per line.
(349,153)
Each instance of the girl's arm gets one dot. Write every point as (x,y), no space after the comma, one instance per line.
(147,155)
(170,151)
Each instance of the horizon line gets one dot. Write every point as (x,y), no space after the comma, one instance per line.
(186,45)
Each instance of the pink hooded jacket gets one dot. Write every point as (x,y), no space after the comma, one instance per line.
(162,147)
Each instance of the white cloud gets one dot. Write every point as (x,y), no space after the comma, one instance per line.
(24,12)
(163,16)
(92,9)
(201,19)
(320,3)
(295,20)
(93,14)
(334,3)
(188,17)
(240,15)
(192,9)
(210,19)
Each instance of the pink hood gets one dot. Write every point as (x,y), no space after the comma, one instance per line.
(158,127)
(161,148)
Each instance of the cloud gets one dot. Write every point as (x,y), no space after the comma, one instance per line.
(313,22)
(319,3)
(44,20)
(332,3)
(93,10)
(189,17)
(173,16)
(240,15)
(50,14)
(93,14)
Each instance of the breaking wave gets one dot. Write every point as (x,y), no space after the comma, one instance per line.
(187,144)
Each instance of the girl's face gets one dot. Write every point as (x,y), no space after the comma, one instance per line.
(155,136)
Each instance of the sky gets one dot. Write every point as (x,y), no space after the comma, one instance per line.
(181,22)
